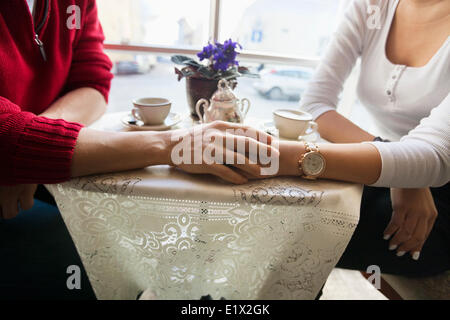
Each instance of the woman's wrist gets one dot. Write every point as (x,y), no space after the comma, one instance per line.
(290,154)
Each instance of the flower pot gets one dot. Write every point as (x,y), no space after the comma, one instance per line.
(198,88)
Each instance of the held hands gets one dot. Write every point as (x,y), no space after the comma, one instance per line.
(230,151)
(412,220)
(13,196)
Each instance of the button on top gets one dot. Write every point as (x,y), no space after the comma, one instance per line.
(393,79)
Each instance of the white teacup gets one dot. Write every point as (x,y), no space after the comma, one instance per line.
(151,111)
(293,123)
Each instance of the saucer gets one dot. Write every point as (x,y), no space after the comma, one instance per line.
(171,120)
(269,127)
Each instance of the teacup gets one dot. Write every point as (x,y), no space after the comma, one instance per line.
(151,111)
(293,123)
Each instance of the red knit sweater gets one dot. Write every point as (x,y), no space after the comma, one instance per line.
(35,149)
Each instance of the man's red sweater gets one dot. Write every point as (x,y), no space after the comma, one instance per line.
(35,149)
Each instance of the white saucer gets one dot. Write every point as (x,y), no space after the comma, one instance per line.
(171,120)
(270,128)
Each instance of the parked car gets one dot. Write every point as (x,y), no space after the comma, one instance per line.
(127,67)
(137,65)
(282,84)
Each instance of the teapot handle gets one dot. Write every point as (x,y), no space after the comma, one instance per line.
(197,108)
(244,109)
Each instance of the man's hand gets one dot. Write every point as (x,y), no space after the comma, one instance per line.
(13,196)
(412,220)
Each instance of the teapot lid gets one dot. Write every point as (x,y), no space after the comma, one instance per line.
(224,92)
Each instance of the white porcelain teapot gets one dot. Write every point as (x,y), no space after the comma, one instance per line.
(223,106)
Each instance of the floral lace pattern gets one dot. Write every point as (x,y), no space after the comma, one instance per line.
(271,240)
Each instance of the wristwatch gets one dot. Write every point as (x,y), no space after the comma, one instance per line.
(380,139)
(312,163)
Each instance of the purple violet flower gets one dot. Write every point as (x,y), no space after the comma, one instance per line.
(207,52)
(221,62)
(229,48)
(223,55)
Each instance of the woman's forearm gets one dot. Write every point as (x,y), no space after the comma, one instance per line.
(84,105)
(336,128)
(359,163)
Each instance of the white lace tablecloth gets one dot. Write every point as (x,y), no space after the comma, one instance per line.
(187,236)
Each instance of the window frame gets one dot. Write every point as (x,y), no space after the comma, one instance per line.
(348,97)
(214,29)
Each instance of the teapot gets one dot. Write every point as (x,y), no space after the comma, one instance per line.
(223,106)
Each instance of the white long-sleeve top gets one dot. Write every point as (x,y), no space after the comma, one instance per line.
(409,105)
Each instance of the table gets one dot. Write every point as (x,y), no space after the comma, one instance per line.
(187,236)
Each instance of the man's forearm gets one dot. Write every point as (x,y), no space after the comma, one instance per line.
(84,105)
(99,152)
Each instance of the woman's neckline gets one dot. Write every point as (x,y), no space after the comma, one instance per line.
(386,38)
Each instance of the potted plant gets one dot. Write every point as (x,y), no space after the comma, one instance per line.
(202,78)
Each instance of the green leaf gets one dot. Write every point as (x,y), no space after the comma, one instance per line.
(183,60)
(207,73)
(187,72)
(246,73)
(184,73)
(230,74)
(195,68)
(180,59)
(230,77)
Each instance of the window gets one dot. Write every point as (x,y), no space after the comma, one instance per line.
(293,27)
(166,23)
(282,40)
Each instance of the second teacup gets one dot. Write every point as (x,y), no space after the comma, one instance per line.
(151,111)
(293,123)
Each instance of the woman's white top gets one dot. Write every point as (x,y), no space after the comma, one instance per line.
(409,105)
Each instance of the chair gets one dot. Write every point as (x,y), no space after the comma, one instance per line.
(403,288)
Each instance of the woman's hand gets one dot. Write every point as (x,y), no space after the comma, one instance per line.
(230,151)
(413,217)
(13,196)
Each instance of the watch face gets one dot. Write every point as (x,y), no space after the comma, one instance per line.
(313,164)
